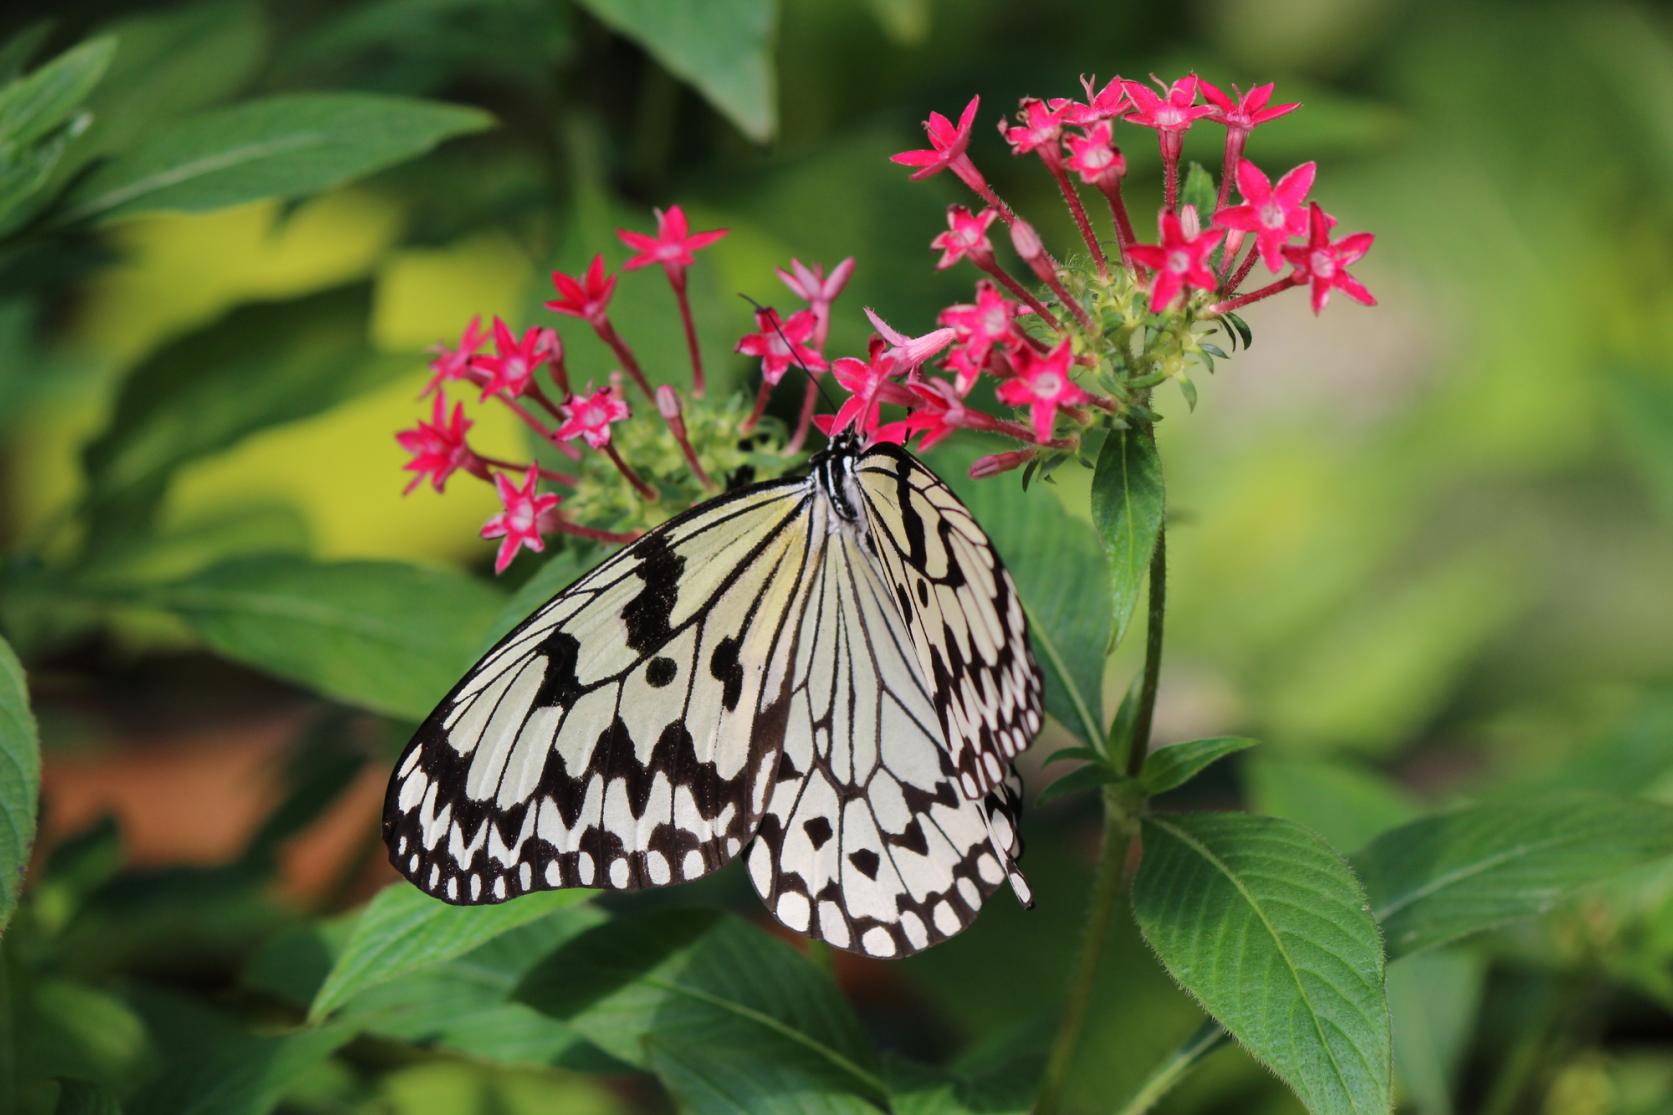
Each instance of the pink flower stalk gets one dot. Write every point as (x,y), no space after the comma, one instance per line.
(781,343)
(1240,113)
(668,405)
(1033,252)
(1099,162)
(455,362)
(1274,214)
(1042,384)
(510,371)
(551,349)
(587,297)
(672,247)
(1180,260)
(590,416)
(438,446)
(1324,264)
(1172,115)
(946,151)
(966,237)
(518,524)
(1041,132)
(909,353)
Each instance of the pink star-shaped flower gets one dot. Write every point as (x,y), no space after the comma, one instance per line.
(587,297)
(966,235)
(1042,384)
(1173,111)
(947,143)
(1243,111)
(1180,260)
(518,523)
(588,417)
(980,326)
(1040,128)
(1273,213)
(1325,264)
(1095,157)
(511,368)
(866,382)
(455,363)
(671,246)
(1107,103)
(939,411)
(781,343)
(438,446)
(909,353)
(812,285)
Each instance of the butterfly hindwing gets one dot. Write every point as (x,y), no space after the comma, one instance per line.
(963,613)
(867,842)
(624,735)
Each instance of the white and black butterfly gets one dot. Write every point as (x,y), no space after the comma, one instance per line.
(830,671)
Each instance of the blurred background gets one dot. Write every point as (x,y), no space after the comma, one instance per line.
(1424,552)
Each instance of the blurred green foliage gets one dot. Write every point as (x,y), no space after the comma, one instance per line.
(1421,552)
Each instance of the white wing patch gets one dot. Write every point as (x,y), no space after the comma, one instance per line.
(963,613)
(867,842)
(625,735)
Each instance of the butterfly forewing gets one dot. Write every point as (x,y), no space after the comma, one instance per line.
(962,611)
(624,735)
(867,842)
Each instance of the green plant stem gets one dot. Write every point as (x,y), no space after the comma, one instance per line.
(1206,1039)
(1121,811)
(1138,746)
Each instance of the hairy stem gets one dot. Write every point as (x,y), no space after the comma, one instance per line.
(1120,824)
(1207,1038)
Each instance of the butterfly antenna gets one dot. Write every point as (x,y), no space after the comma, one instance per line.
(779,329)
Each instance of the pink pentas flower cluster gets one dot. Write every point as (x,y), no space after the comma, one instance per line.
(1083,343)
(587,430)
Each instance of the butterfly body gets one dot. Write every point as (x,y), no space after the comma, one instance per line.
(826,674)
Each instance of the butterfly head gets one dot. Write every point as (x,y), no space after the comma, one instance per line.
(833,469)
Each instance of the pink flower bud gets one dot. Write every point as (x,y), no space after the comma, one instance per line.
(668,403)
(995,463)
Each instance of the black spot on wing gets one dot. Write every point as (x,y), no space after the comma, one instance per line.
(646,615)
(866,862)
(818,830)
(728,670)
(661,671)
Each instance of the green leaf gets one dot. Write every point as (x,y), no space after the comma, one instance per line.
(77,1030)
(1076,754)
(1447,876)
(20,780)
(39,103)
(388,637)
(462,1004)
(1089,777)
(1266,926)
(1199,191)
(1434,999)
(1170,767)
(279,147)
(668,989)
(215,1067)
(1054,559)
(78,1097)
(403,930)
(258,367)
(721,48)
(1344,802)
(1127,501)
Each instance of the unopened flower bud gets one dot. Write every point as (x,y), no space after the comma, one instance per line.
(668,403)
(995,463)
